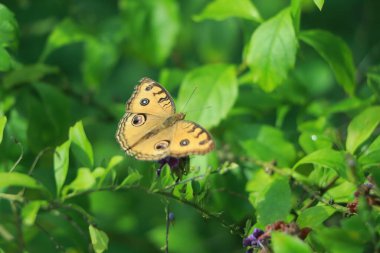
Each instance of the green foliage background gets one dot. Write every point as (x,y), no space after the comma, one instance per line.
(289,90)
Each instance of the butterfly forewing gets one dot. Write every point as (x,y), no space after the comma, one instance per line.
(151,98)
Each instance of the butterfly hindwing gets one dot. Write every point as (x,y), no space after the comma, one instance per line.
(134,127)
(190,138)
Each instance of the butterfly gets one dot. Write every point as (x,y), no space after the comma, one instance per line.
(152,130)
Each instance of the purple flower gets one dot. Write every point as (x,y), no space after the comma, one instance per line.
(171,161)
(171,216)
(253,239)
(257,232)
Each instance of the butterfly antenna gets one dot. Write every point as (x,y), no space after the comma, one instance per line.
(188,100)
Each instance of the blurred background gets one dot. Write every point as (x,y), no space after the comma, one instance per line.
(80,60)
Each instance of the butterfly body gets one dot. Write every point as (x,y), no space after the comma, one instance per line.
(152,130)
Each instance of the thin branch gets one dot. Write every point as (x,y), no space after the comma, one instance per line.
(233,229)
(167,228)
(18,223)
(57,245)
(38,157)
(19,158)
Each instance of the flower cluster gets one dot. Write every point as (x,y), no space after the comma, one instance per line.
(178,166)
(261,239)
(364,190)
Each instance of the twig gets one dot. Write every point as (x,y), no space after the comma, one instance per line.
(233,229)
(38,157)
(20,157)
(18,222)
(167,228)
(57,245)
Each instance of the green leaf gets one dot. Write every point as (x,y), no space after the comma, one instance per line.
(5,60)
(373,78)
(133,178)
(216,88)
(80,145)
(361,127)
(30,211)
(222,9)
(268,144)
(28,74)
(311,142)
(64,33)
(284,243)
(153,27)
(328,158)
(319,3)
(189,194)
(371,156)
(336,53)
(339,240)
(83,181)
(61,164)
(274,202)
(3,122)
(314,216)
(8,28)
(99,239)
(100,57)
(19,179)
(341,193)
(272,51)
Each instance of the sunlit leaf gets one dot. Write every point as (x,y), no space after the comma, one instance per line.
(284,243)
(99,239)
(83,181)
(19,179)
(3,122)
(371,156)
(132,179)
(327,158)
(115,160)
(222,9)
(61,164)
(319,3)
(268,144)
(336,53)
(274,202)
(272,51)
(80,145)
(100,56)
(215,91)
(28,74)
(343,192)
(314,216)
(154,27)
(373,78)
(65,33)
(5,60)
(8,28)
(189,194)
(361,127)
(30,211)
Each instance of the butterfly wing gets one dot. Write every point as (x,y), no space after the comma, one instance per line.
(151,98)
(134,127)
(143,134)
(149,106)
(182,139)
(190,138)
